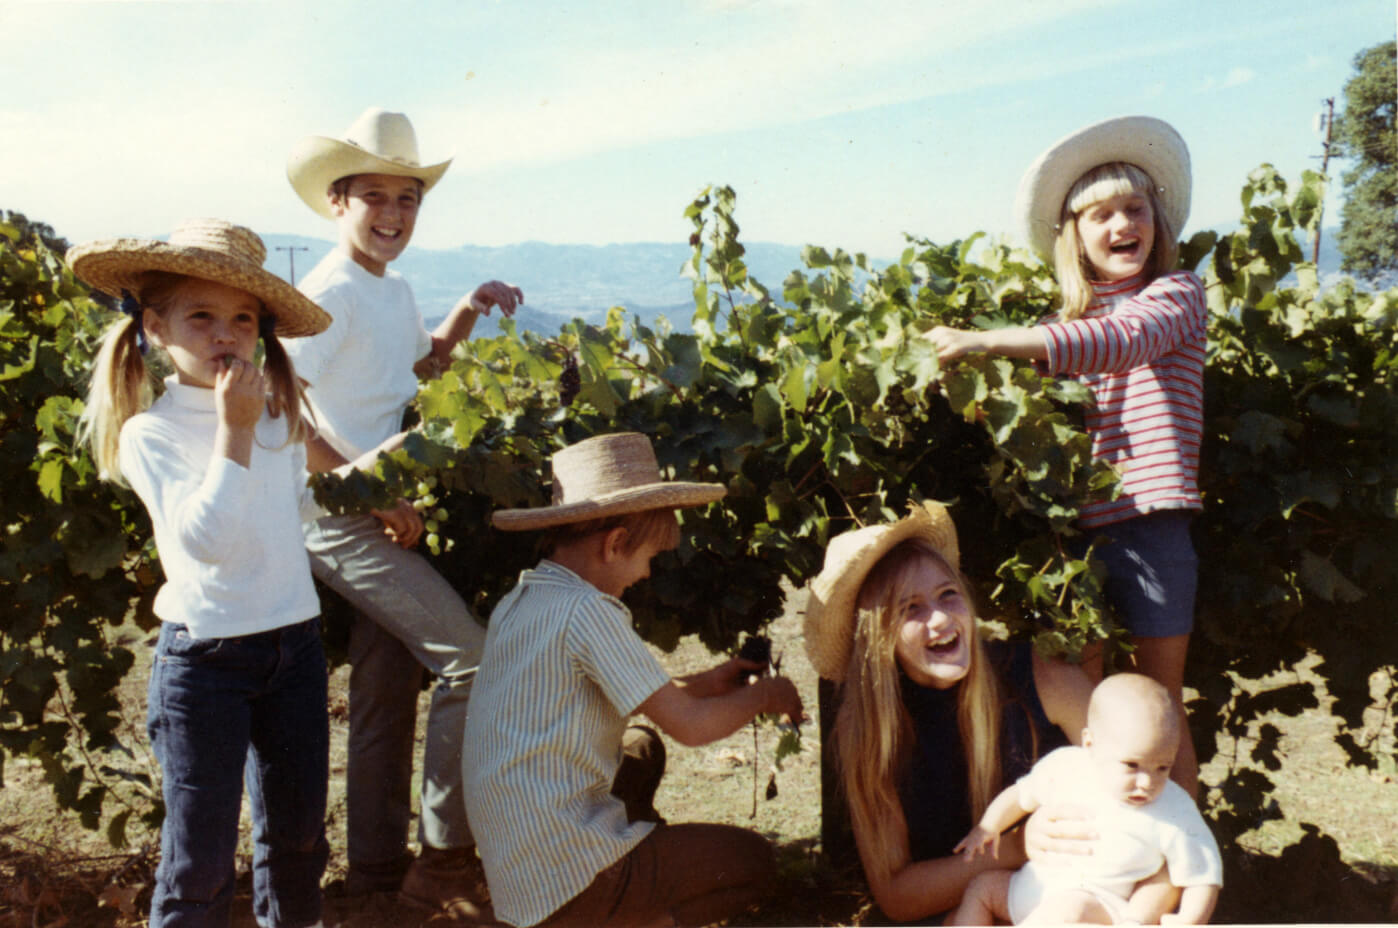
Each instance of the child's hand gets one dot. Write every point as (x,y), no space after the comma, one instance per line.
(496,293)
(977,841)
(782,699)
(240,393)
(951,343)
(402,523)
(723,678)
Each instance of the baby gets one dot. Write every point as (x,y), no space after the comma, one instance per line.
(1121,772)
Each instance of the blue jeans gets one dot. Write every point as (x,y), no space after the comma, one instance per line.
(222,710)
(409,618)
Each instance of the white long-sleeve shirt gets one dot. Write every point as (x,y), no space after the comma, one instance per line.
(229,537)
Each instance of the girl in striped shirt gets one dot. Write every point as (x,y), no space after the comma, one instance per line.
(1107,204)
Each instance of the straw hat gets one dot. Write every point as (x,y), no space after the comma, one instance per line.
(1151,144)
(607,475)
(378,142)
(828,629)
(210,249)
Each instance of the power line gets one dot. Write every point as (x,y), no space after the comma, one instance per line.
(1328,117)
(291,254)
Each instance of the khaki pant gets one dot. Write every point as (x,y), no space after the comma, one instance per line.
(690,874)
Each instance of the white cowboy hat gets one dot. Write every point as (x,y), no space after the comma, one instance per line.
(210,249)
(1149,143)
(603,476)
(378,142)
(828,628)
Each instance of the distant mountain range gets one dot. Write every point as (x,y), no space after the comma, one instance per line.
(563,282)
(560,282)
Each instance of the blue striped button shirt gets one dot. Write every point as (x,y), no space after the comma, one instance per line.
(561,671)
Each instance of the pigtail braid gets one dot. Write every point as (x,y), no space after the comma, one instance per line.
(119,388)
(287,396)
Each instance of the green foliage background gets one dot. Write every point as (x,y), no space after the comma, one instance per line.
(1365,134)
(820,407)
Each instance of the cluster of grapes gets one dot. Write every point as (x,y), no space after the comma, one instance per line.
(432,519)
(757,648)
(569,383)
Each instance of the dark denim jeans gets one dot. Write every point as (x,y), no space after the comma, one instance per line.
(222,710)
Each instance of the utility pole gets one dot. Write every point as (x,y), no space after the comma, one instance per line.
(1324,120)
(291,255)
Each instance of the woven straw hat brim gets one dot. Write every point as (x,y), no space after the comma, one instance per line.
(1149,143)
(114,265)
(828,626)
(318,161)
(667,495)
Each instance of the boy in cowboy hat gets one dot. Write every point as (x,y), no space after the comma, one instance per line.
(362,373)
(560,791)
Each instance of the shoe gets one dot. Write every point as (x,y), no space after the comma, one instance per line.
(449,880)
(363,880)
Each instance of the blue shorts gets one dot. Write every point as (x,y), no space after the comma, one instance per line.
(1152,572)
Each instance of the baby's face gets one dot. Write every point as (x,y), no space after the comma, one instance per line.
(1133,761)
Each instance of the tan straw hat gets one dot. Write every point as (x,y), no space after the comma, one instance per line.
(828,629)
(210,249)
(378,142)
(603,476)
(1149,143)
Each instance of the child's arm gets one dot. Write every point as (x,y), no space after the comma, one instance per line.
(701,712)
(1196,905)
(1004,810)
(402,523)
(457,326)
(1012,342)
(719,679)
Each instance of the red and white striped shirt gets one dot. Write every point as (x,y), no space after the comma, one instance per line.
(1140,350)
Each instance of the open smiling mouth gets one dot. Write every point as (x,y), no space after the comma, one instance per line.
(945,646)
(1126,248)
(387,233)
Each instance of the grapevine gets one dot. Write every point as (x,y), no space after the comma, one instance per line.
(820,407)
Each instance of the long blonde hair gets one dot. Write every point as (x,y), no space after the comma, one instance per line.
(1070,260)
(122,385)
(873,732)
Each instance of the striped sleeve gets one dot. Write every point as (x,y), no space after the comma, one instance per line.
(1168,313)
(610,653)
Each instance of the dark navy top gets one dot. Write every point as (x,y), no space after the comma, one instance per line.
(935,792)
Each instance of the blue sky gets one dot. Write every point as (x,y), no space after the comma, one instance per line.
(839,122)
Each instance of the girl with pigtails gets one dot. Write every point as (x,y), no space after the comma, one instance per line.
(237,691)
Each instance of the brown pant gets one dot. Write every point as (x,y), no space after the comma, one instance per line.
(688,874)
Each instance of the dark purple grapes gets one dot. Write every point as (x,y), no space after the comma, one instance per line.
(569,383)
(756,648)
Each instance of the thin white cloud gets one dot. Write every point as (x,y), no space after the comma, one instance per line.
(1239,75)
(775,62)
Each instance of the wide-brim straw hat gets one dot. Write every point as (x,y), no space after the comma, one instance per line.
(1151,144)
(604,476)
(377,142)
(210,249)
(828,628)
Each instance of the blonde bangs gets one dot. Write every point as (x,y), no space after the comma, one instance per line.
(1104,182)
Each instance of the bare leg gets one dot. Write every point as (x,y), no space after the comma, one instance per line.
(986,901)
(1072,907)
(1152,898)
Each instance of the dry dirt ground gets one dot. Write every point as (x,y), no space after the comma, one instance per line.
(55,873)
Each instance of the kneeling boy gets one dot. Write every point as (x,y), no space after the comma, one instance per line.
(558,790)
